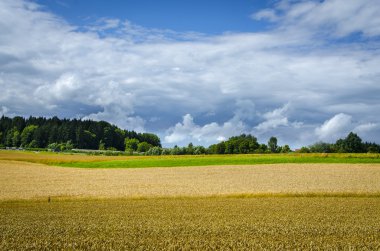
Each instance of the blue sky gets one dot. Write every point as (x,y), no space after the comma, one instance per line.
(197,71)
(211,17)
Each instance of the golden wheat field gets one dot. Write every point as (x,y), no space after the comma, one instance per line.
(246,207)
(22,180)
(192,224)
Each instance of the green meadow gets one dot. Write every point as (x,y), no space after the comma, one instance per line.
(208,160)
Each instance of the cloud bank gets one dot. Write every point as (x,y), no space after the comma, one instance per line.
(312,76)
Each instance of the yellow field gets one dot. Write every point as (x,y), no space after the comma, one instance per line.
(316,207)
(23,180)
(192,224)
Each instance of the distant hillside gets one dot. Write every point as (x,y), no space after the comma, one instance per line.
(40,132)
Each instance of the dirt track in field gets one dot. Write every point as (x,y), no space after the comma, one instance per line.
(22,180)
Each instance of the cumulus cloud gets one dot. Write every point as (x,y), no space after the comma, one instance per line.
(335,127)
(189,131)
(65,87)
(340,125)
(186,86)
(274,119)
(244,120)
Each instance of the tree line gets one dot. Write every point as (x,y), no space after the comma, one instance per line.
(247,143)
(350,144)
(242,144)
(66,134)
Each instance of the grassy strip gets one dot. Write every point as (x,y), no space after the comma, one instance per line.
(87,161)
(216,160)
(214,196)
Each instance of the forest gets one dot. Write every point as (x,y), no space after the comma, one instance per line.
(66,134)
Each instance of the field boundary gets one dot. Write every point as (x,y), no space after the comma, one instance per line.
(52,199)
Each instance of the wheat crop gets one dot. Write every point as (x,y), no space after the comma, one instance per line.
(22,180)
(192,224)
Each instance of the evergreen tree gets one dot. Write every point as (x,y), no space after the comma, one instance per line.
(41,132)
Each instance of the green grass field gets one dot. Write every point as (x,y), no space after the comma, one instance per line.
(170,161)
(86,161)
(267,223)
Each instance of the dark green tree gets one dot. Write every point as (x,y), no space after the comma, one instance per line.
(221,148)
(190,149)
(285,149)
(143,147)
(272,144)
(41,136)
(155,150)
(351,144)
(304,149)
(13,137)
(19,123)
(16,139)
(131,144)
(27,135)
(244,146)
(321,147)
(90,141)
(8,137)
(198,150)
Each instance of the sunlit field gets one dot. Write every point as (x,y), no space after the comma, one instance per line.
(193,224)
(294,201)
(23,180)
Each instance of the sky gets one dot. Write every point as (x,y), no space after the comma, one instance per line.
(197,71)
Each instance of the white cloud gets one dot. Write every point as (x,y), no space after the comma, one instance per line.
(364,128)
(242,121)
(274,119)
(341,124)
(117,115)
(188,131)
(338,18)
(268,14)
(3,111)
(334,128)
(65,87)
(228,82)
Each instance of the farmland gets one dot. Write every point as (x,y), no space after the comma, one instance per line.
(22,180)
(193,223)
(310,201)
